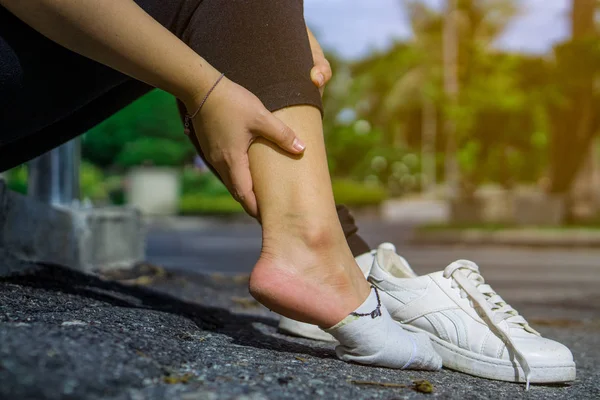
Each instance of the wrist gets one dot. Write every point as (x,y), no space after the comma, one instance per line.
(198,87)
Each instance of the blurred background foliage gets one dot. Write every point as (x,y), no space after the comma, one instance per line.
(147,132)
(445,106)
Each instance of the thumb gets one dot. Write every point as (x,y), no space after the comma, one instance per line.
(271,128)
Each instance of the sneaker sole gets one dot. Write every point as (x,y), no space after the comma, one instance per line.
(465,361)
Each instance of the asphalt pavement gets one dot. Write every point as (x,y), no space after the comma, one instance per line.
(191,331)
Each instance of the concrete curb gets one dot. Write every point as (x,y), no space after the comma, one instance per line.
(109,238)
(87,240)
(526,237)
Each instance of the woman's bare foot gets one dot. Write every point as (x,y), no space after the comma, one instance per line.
(308,276)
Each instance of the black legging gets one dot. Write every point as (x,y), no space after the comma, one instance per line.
(49,95)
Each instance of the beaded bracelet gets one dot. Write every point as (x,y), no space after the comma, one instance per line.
(188,117)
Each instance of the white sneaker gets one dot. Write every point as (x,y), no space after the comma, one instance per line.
(471,327)
(295,328)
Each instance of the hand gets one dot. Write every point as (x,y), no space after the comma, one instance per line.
(230,120)
(321,72)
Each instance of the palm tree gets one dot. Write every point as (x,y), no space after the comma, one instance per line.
(451,89)
(446,42)
(575,120)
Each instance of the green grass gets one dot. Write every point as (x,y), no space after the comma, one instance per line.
(213,203)
(355,194)
(201,204)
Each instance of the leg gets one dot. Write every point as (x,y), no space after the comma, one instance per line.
(357,244)
(300,224)
(306,270)
(298,214)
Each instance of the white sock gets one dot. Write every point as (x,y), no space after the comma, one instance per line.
(381,341)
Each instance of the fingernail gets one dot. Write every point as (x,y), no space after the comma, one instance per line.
(321,79)
(298,145)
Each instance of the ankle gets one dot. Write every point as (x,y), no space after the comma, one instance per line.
(295,255)
(307,239)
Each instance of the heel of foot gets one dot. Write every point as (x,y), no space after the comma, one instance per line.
(299,295)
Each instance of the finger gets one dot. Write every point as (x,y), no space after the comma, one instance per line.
(226,174)
(321,72)
(271,128)
(242,187)
(317,76)
(321,88)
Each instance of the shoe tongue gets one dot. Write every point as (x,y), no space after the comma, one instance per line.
(387,246)
(390,261)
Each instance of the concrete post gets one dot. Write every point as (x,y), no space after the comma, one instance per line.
(47,226)
(54,176)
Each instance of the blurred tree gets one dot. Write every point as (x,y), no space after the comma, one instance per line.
(147,131)
(334,97)
(470,76)
(386,88)
(453,47)
(152,151)
(575,118)
(500,113)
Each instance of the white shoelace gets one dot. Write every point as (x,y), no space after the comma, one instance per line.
(489,305)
